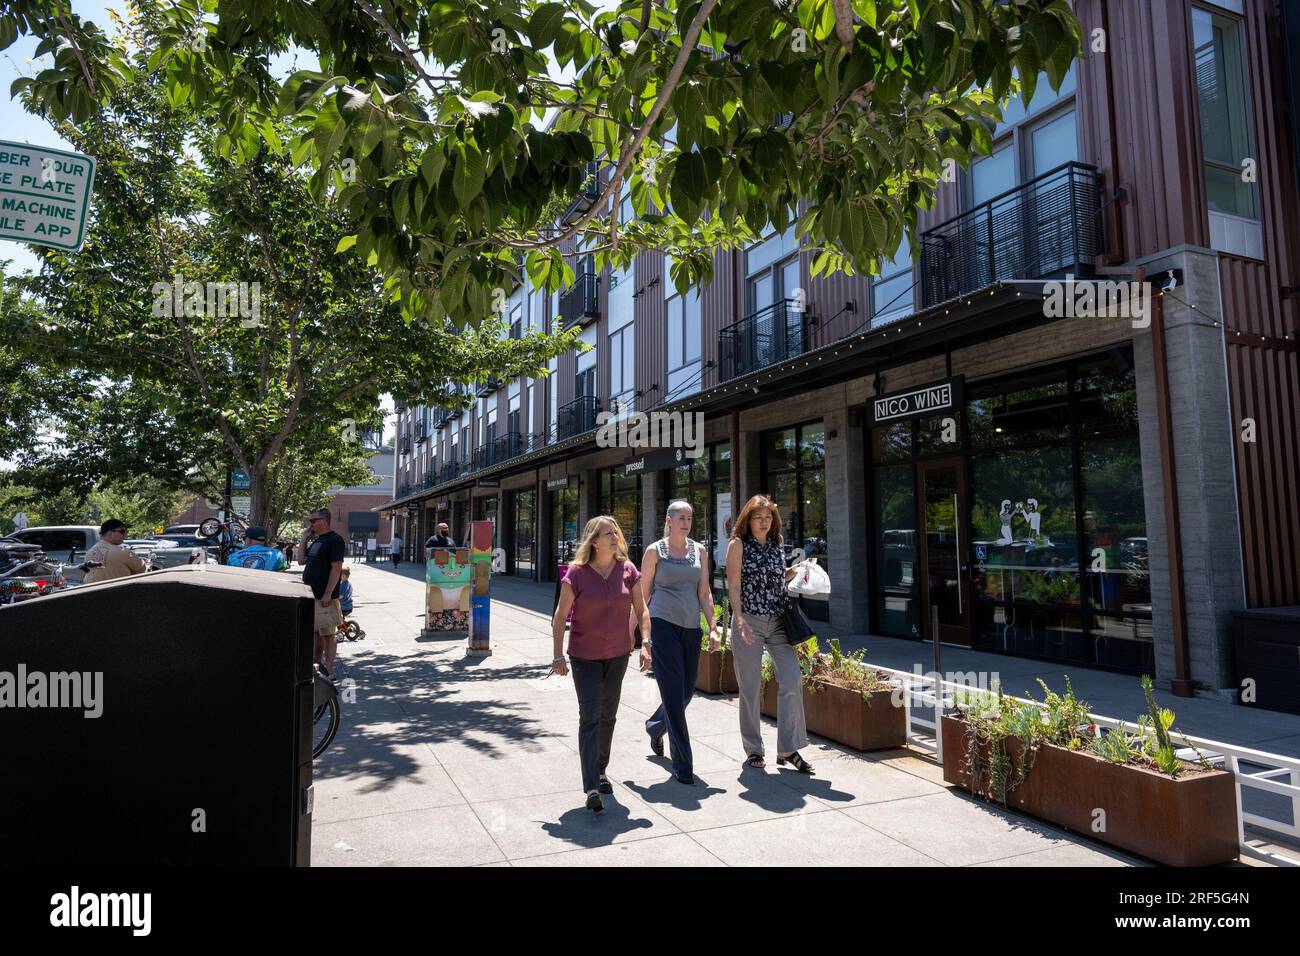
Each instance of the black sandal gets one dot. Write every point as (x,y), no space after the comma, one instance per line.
(803,766)
(756,761)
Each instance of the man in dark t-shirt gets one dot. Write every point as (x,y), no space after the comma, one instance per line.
(440,540)
(322,561)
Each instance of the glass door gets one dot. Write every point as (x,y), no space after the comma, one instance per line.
(941,492)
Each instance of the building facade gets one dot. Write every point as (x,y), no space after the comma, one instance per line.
(967,442)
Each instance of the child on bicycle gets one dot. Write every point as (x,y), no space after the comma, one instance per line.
(345,596)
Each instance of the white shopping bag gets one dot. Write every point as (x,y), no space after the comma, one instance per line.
(810,578)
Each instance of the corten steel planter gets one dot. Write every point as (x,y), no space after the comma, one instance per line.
(845,716)
(1188,820)
(717,674)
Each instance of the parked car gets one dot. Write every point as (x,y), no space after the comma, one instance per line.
(176,550)
(181,529)
(65,543)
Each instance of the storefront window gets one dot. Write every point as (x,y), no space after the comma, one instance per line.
(897,592)
(1057,545)
(703,482)
(620,497)
(794,473)
(525,525)
(564,523)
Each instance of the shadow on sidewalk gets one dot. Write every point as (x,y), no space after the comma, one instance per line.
(586,828)
(402,701)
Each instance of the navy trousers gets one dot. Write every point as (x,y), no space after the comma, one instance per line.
(676,655)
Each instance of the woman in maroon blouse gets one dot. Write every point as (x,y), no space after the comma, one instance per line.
(601,588)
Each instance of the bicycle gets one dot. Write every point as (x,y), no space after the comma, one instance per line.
(350,631)
(227,534)
(326,714)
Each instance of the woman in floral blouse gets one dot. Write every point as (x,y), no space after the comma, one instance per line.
(756,582)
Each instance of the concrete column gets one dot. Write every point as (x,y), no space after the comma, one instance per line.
(846,522)
(1203,463)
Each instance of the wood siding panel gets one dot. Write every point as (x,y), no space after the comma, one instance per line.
(1261,331)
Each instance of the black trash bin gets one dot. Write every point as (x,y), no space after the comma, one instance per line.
(201,752)
(1268,654)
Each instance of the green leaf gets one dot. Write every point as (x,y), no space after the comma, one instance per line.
(346,243)
(467,179)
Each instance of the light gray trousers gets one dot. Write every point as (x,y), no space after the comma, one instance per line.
(791,733)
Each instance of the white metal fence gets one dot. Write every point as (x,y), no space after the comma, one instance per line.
(1258,776)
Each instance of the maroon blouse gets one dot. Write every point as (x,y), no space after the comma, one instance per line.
(599,627)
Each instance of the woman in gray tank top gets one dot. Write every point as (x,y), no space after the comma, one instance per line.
(675,581)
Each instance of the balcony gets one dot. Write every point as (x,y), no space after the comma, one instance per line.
(1048,226)
(576,417)
(427,481)
(448,472)
(764,338)
(587,195)
(404,445)
(488,387)
(580,302)
(421,431)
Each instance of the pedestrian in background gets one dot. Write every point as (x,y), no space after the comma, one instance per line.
(676,584)
(322,560)
(395,548)
(116,561)
(756,585)
(601,588)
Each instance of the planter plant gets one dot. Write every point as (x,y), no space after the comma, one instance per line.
(717,673)
(1127,788)
(845,699)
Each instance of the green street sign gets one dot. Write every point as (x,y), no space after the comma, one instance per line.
(239,480)
(44,195)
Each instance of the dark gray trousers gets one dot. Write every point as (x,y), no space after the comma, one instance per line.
(599,685)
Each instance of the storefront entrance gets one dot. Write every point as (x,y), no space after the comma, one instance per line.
(941,490)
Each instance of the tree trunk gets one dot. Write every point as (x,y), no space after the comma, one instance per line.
(258,498)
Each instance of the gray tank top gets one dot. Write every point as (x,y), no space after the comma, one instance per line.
(674,597)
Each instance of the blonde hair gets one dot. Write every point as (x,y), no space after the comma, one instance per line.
(741,528)
(586,545)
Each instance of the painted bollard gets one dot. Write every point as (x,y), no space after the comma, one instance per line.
(480,630)
(447,578)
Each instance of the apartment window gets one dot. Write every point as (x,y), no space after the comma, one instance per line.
(622,371)
(772,272)
(891,291)
(516,322)
(585,383)
(622,281)
(683,343)
(553,393)
(1220,64)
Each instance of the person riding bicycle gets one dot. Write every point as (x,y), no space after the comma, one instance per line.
(345,595)
(256,554)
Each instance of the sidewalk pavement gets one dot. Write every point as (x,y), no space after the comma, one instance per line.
(1109,694)
(446,760)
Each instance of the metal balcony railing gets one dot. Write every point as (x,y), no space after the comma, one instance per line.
(587,195)
(421,431)
(487,387)
(1048,226)
(576,417)
(763,338)
(580,301)
(427,481)
(404,446)
(448,472)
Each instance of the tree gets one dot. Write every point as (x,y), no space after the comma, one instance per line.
(217,320)
(426,119)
